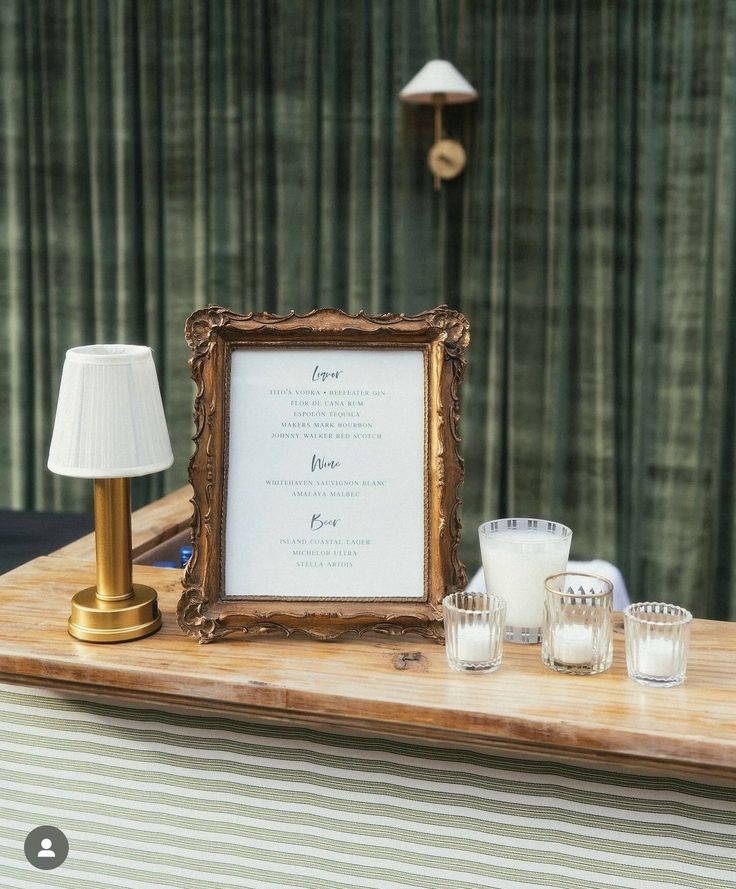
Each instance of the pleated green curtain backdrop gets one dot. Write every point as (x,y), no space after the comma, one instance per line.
(157,156)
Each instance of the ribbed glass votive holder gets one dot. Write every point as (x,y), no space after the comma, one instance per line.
(475,625)
(657,639)
(577,635)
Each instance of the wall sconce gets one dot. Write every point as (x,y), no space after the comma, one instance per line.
(439,83)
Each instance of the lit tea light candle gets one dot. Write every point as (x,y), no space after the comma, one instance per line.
(473,643)
(657,658)
(573,644)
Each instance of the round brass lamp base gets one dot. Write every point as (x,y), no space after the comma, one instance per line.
(100,620)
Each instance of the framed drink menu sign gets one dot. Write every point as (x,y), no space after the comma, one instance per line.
(325,474)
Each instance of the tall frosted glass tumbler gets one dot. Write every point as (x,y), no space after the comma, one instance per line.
(518,556)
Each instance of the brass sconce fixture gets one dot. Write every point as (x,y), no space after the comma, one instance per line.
(439,83)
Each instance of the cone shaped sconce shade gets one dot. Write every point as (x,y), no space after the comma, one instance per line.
(438,76)
(109,419)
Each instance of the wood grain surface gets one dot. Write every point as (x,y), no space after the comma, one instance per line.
(397,688)
(151,526)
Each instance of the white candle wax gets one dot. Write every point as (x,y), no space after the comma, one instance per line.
(473,643)
(515,565)
(657,658)
(573,644)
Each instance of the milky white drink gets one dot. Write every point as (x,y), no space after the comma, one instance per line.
(518,556)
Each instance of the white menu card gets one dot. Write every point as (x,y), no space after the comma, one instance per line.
(326,474)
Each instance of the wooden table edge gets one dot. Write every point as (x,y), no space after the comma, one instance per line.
(637,751)
(520,737)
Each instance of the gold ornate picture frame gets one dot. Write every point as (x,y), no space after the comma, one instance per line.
(253,590)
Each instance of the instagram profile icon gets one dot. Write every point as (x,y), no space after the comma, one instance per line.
(46,847)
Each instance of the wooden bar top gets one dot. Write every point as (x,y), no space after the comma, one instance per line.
(395,687)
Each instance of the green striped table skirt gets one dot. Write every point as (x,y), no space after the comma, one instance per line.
(149,798)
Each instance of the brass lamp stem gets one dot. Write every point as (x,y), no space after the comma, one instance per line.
(113,539)
(439,101)
(116,609)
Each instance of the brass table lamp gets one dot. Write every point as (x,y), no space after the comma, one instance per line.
(110,426)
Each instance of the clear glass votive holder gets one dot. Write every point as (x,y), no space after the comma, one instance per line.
(474,631)
(657,638)
(518,554)
(578,634)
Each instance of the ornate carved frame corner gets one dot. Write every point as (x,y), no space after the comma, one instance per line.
(443,335)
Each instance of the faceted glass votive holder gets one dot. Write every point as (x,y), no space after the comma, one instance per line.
(518,554)
(578,636)
(474,631)
(657,638)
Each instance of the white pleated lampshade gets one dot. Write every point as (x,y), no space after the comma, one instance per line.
(438,76)
(110,421)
